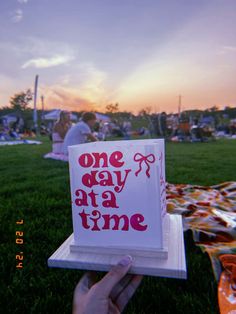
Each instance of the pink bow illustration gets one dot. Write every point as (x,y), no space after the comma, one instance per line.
(149,159)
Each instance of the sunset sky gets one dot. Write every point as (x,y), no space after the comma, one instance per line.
(135,52)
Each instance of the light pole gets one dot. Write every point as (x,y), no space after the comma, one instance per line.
(180,105)
(42,101)
(35,118)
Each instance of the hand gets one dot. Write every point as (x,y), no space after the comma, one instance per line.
(110,294)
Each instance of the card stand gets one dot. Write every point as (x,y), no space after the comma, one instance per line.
(174,266)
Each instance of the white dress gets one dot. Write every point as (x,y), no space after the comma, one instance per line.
(57,143)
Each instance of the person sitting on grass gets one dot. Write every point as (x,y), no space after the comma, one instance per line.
(80,132)
(59,131)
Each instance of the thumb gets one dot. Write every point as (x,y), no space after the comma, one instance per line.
(108,282)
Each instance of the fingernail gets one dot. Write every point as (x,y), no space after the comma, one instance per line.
(125,261)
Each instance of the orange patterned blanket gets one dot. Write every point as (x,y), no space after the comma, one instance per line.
(210,212)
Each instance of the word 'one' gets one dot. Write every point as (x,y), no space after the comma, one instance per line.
(97,160)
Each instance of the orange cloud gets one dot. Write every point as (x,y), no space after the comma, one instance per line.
(66,98)
(84,89)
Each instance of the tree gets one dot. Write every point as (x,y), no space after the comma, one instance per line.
(214,109)
(5,110)
(145,111)
(20,101)
(20,106)
(112,108)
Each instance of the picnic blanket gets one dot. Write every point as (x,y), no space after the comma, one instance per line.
(210,212)
(54,156)
(16,142)
(227,285)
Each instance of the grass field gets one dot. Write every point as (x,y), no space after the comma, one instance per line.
(37,191)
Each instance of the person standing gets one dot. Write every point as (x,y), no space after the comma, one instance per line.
(81,132)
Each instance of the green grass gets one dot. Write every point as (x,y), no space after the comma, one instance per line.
(37,190)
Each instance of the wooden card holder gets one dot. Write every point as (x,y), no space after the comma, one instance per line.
(170,265)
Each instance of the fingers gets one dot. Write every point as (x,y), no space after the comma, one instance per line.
(108,282)
(122,284)
(85,283)
(128,292)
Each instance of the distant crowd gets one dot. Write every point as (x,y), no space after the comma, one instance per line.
(172,127)
(183,128)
